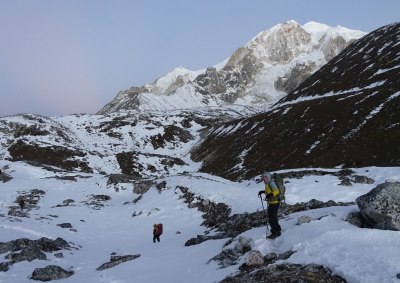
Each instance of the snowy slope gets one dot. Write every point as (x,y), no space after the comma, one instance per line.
(113,228)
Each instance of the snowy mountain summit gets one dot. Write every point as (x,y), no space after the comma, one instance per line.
(257,74)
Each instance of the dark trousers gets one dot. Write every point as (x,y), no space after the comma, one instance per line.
(156,237)
(273,217)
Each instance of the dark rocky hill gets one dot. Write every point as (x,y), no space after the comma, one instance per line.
(345,114)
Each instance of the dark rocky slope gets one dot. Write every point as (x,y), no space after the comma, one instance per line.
(344,114)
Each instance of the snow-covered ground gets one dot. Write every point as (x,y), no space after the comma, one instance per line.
(358,255)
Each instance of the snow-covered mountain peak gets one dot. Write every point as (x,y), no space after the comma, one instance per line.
(280,44)
(257,74)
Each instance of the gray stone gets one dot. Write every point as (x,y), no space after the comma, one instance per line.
(65,225)
(115,260)
(29,253)
(4,266)
(362,179)
(254,257)
(50,272)
(356,219)
(381,206)
(304,219)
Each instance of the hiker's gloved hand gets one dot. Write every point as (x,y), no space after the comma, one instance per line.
(260,193)
(269,196)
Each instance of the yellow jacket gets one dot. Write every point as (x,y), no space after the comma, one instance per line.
(272,188)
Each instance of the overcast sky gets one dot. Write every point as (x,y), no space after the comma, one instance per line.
(60,57)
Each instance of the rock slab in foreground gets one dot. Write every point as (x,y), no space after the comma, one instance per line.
(380,207)
(50,272)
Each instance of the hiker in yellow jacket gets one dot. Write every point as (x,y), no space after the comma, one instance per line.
(271,192)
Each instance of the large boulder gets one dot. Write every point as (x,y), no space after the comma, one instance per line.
(380,207)
(50,272)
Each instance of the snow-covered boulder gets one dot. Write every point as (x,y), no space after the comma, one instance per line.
(380,207)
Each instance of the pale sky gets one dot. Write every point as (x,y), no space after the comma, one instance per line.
(60,57)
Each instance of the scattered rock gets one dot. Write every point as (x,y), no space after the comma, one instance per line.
(231,226)
(97,201)
(345,181)
(5,177)
(142,187)
(304,219)
(229,256)
(50,272)
(115,260)
(65,225)
(30,249)
(363,179)
(254,258)
(29,253)
(285,273)
(4,266)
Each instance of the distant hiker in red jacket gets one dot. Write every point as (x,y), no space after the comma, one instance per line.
(157,232)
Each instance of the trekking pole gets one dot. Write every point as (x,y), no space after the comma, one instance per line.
(266,219)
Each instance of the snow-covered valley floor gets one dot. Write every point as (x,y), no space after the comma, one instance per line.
(123,227)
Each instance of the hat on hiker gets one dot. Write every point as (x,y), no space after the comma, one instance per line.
(266,174)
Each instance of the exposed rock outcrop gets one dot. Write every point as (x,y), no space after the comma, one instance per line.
(50,272)
(115,260)
(380,208)
(286,273)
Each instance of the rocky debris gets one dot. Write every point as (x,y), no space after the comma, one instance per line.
(4,266)
(62,157)
(214,213)
(230,254)
(142,187)
(233,225)
(96,202)
(362,180)
(28,253)
(286,273)
(131,165)
(202,238)
(380,207)
(59,255)
(254,258)
(44,244)
(66,202)
(50,272)
(72,178)
(4,177)
(30,249)
(26,201)
(172,134)
(114,179)
(115,260)
(65,225)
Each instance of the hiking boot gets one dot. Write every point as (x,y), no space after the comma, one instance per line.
(274,235)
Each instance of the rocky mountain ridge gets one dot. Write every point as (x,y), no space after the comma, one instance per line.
(345,114)
(265,69)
